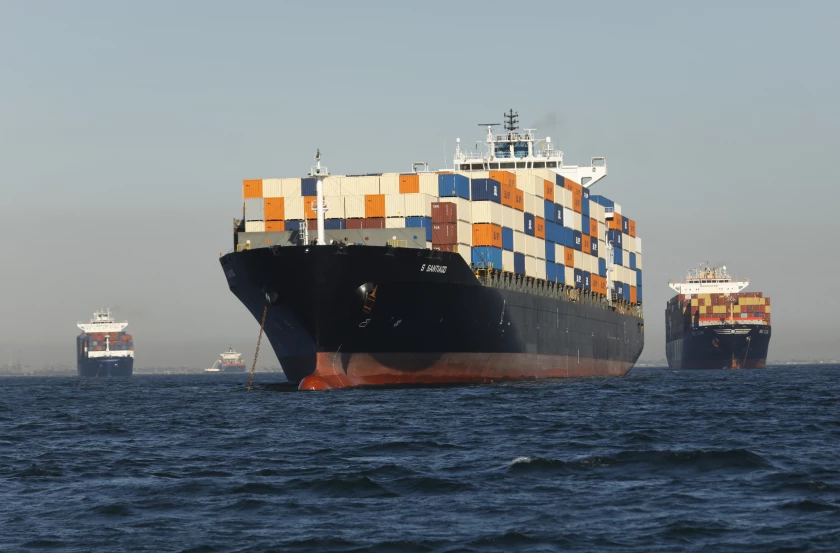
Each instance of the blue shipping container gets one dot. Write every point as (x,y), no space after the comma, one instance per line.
(626,291)
(549,251)
(569,236)
(618,290)
(561,182)
(578,240)
(552,233)
(625,225)
(519,263)
(507,239)
(558,214)
(418,222)
(585,194)
(529,224)
(294,225)
(550,271)
(335,224)
(602,267)
(639,293)
(308,187)
(587,284)
(614,236)
(584,207)
(561,273)
(632,260)
(593,247)
(549,211)
(450,186)
(578,278)
(618,256)
(486,257)
(638,277)
(486,190)
(600,200)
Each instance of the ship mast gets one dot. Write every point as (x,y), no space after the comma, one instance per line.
(319,173)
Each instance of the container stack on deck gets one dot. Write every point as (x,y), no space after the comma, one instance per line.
(533,223)
(118,341)
(697,310)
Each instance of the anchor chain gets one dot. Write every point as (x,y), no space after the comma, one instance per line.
(257,352)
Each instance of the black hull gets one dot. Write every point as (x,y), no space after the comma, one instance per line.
(366,315)
(720,347)
(106,366)
(237,369)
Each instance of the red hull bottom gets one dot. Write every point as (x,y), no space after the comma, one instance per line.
(712,365)
(450,368)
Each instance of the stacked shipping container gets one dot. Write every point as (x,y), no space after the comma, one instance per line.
(695,310)
(534,223)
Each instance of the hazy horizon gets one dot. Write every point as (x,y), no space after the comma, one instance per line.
(128,129)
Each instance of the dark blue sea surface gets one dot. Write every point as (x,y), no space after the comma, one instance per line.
(656,461)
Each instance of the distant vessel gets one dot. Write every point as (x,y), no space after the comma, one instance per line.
(711,324)
(103,349)
(228,362)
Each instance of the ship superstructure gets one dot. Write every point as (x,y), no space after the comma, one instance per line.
(103,349)
(711,323)
(503,267)
(228,362)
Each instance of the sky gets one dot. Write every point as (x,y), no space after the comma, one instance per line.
(126,129)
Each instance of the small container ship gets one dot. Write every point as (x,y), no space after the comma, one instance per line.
(712,324)
(103,349)
(503,267)
(228,362)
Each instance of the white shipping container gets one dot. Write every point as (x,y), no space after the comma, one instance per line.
(599,211)
(419,205)
(567,198)
(570,276)
(465,252)
(389,183)
(525,183)
(394,205)
(631,243)
(272,188)
(578,221)
(335,207)
(429,184)
(464,233)
(487,212)
(602,249)
(530,203)
(463,207)
(519,245)
(602,230)
(354,207)
(507,261)
(254,226)
(395,222)
(290,188)
(579,260)
(539,187)
(530,246)
(369,185)
(541,269)
(639,261)
(569,218)
(625,257)
(559,253)
(617,209)
(293,208)
(332,186)
(530,266)
(513,219)
(638,245)
(254,209)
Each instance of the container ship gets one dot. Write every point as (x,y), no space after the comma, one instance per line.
(228,362)
(503,267)
(712,324)
(103,349)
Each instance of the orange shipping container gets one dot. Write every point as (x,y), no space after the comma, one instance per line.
(615,222)
(374,206)
(486,234)
(593,228)
(409,184)
(275,226)
(518,200)
(632,227)
(252,188)
(275,209)
(548,190)
(569,257)
(539,227)
(585,246)
(507,194)
(633,297)
(574,187)
(308,204)
(577,202)
(504,177)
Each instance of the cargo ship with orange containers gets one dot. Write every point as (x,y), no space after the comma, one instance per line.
(503,267)
(103,349)
(712,324)
(228,362)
